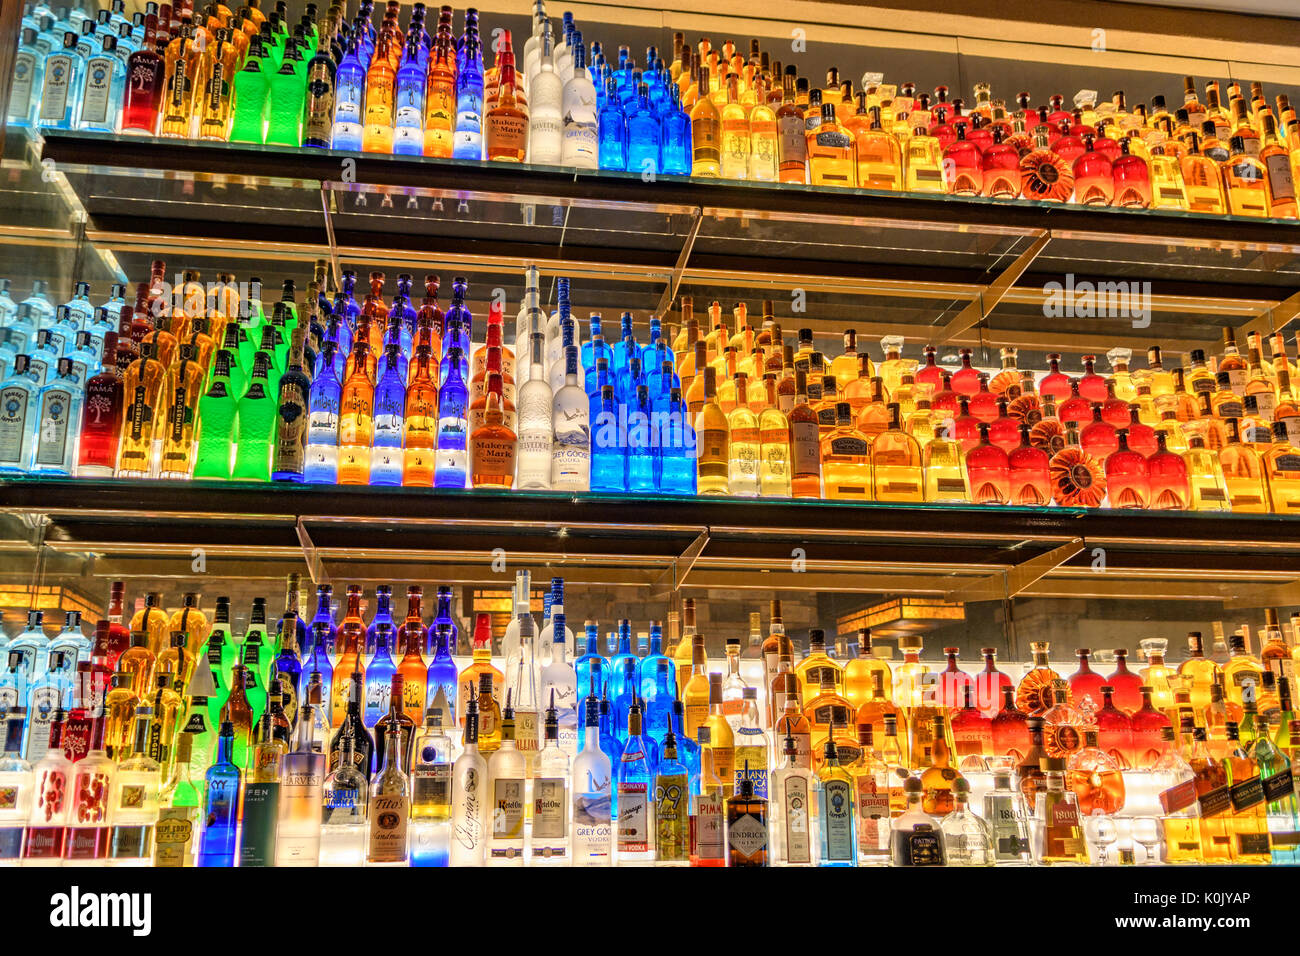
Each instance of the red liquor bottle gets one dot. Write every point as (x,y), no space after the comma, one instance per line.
(1004,430)
(1127,479)
(101,415)
(1091,385)
(1148,723)
(930,374)
(983,403)
(1132,179)
(966,427)
(1068,145)
(1098,436)
(1011,736)
(946,402)
(966,380)
(988,471)
(1141,436)
(1114,729)
(963,166)
(145,79)
(1078,479)
(1075,410)
(953,682)
(1114,409)
(1031,482)
(113,637)
(1094,176)
(1126,684)
(1170,488)
(972,729)
(1001,163)
(990,682)
(1045,176)
(1055,384)
(1085,686)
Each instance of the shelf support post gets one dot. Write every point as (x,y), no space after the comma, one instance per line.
(979,308)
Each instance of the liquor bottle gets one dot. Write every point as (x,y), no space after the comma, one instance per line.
(916,837)
(222,786)
(967,838)
(389,805)
(1095,778)
(1060,837)
(673,798)
(579,147)
(592,808)
(61,84)
(133,801)
(746,827)
(451,467)
(260,800)
(635,796)
(1246,180)
(345,801)
(706,131)
(1008,819)
(301,792)
(469,799)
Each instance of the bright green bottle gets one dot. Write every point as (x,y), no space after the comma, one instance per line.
(255,425)
(283,333)
(287,98)
(216,422)
(238,380)
(249,99)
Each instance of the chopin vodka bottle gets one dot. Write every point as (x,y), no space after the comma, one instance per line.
(535,421)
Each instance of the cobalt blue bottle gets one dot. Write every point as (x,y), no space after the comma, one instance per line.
(643,445)
(349,95)
(648,360)
(643,135)
(612,144)
(608,451)
(661,382)
(220,804)
(467,140)
(408,101)
(627,347)
(383,615)
(593,348)
(379,676)
(442,672)
(591,670)
(621,680)
(675,151)
(649,664)
(677,471)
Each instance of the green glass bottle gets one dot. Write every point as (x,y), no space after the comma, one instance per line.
(249,99)
(231,346)
(216,425)
(286,99)
(255,424)
(278,340)
(273,35)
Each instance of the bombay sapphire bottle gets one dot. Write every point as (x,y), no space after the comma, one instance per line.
(58,415)
(100,101)
(61,85)
(613,130)
(349,90)
(390,405)
(452,463)
(675,152)
(221,804)
(644,132)
(17,398)
(316,660)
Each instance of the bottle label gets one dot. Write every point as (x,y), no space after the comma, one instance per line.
(507,816)
(796,819)
(174,836)
(747,839)
(54,95)
(580,128)
(1247,794)
(707,835)
(41,705)
(24,73)
(260,815)
(52,439)
(704,140)
(1281,185)
(388,817)
(592,827)
(672,818)
(130,842)
(431,784)
(836,807)
(550,817)
(1279,786)
(921,846)
(633,817)
(13,424)
(794,140)
(507,133)
(805,449)
(95,94)
(873,813)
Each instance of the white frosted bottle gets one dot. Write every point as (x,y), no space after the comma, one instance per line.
(571,452)
(579,112)
(533,461)
(545,109)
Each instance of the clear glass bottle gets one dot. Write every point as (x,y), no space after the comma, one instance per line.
(967,838)
(390,805)
(1060,829)
(916,838)
(1007,816)
(345,801)
(469,797)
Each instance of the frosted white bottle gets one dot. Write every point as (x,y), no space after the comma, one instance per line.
(533,460)
(579,101)
(545,110)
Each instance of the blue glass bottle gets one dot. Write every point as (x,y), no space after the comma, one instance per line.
(451,467)
(442,674)
(99,105)
(467,140)
(349,95)
(459,322)
(591,669)
(379,675)
(317,659)
(61,85)
(347,308)
(55,424)
(593,348)
(389,415)
(612,143)
(405,312)
(17,402)
(220,820)
(42,309)
(622,680)
(675,140)
(383,615)
(630,377)
(597,380)
(648,351)
(85,358)
(48,692)
(626,349)
(610,745)
(648,675)
(643,450)
(442,616)
(322,456)
(608,451)
(643,135)
(81,310)
(661,383)
(63,331)
(408,101)
(677,459)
